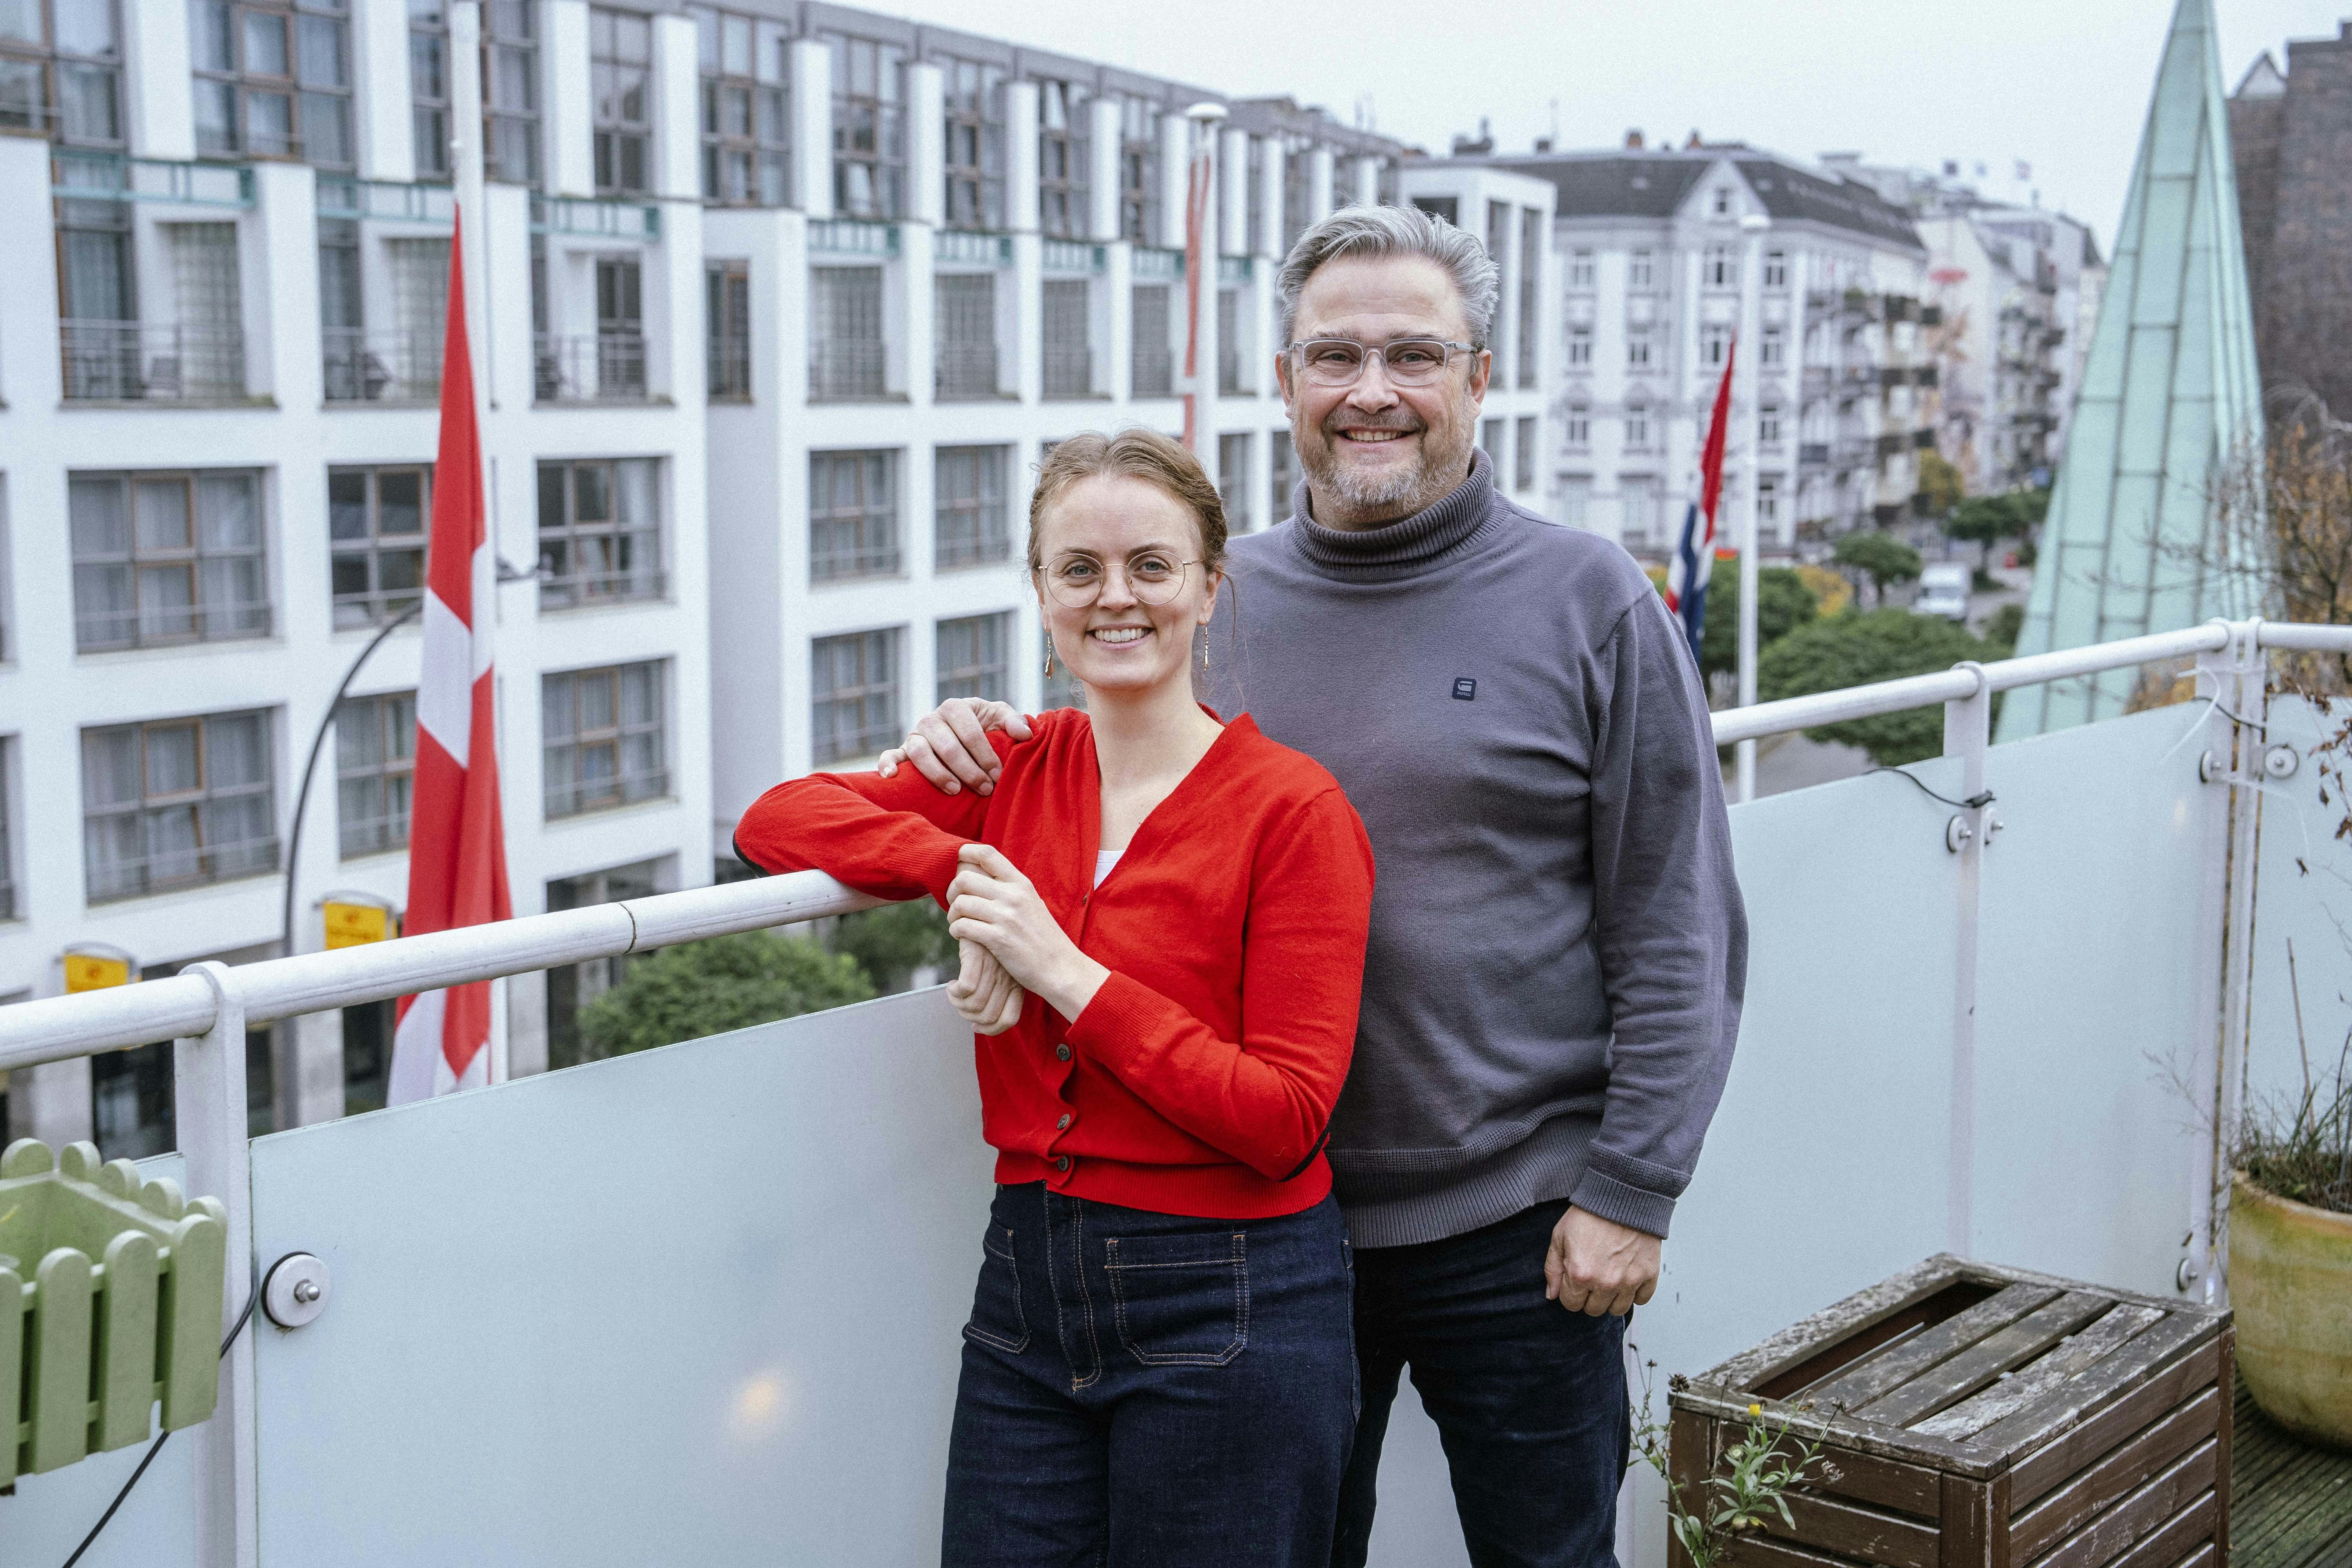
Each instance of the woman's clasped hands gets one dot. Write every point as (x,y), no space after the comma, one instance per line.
(1011,943)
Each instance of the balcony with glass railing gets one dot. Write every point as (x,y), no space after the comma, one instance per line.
(135,362)
(703,1303)
(589,367)
(381,365)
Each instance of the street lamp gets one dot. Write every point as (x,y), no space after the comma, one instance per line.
(1754,226)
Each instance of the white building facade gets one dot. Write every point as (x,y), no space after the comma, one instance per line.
(1662,259)
(776,308)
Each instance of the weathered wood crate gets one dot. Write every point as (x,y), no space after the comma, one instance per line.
(110,1300)
(1986,1416)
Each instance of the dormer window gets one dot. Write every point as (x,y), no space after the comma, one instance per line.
(1723,201)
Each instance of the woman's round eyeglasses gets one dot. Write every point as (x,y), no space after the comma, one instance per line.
(1409,361)
(1077,581)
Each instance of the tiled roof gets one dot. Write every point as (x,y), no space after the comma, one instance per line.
(1655,184)
(1787,191)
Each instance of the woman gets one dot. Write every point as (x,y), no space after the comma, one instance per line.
(1161,919)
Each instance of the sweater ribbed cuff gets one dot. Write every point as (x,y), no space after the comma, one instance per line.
(1602,1190)
(1116,1023)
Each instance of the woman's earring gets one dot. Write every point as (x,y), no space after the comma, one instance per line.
(1049,656)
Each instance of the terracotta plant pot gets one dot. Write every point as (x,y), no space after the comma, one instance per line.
(2291,1286)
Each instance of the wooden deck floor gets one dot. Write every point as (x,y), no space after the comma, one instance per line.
(2291,1504)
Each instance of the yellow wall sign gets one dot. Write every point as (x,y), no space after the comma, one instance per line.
(355,925)
(93,972)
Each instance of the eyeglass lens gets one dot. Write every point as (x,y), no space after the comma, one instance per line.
(1077,580)
(1338,361)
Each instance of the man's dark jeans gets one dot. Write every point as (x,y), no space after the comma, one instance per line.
(1528,1398)
(1146,1389)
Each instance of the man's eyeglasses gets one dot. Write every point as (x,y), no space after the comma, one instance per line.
(1151,576)
(1409,361)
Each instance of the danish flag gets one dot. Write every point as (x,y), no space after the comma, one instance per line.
(457,845)
(1694,558)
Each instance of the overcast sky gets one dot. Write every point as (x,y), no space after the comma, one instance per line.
(2059,84)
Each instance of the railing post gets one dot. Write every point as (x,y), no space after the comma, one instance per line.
(209,1114)
(2234,678)
(1967,736)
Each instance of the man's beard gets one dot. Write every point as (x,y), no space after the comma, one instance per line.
(1422,482)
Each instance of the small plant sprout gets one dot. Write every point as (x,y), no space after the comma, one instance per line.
(1748,1484)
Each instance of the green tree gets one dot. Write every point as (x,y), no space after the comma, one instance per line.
(1940,485)
(1981,520)
(2006,625)
(717,983)
(1859,649)
(1878,557)
(1783,603)
(892,942)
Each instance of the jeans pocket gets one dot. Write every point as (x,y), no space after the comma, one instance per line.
(996,1316)
(1180,1301)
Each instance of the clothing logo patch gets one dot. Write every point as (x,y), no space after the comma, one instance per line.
(1466,689)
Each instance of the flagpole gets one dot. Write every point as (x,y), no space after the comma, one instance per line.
(1199,255)
(1753,225)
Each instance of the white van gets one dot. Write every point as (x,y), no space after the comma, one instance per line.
(1943,591)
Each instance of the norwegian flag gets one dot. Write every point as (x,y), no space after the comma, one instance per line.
(1693,557)
(457,846)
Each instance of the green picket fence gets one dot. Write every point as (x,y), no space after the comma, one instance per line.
(88,1348)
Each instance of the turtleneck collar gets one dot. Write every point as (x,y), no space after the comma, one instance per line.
(1402,548)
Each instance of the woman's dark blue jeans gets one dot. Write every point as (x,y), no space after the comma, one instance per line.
(1146,1389)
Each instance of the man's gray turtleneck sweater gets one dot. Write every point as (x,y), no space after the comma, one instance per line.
(1557,946)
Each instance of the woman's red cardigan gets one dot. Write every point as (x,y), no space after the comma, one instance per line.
(1201,1077)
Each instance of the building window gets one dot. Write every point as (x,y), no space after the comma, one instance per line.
(1295,152)
(853,689)
(746,108)
(1064,123)
(726,322)
(1530,268)
(400,363)
(510,92)
(1637,427)
(869,127)
(846,341)
(273,78)
(1768,503)
(1776,269)
(1491,435)
(1068,347)
(64,80)
(975,143)
(1151,352)
(1138,170)
(1281,476)
(1580,345)
(1774,349)
(1576,501)
(1499,234)
(600,740)
(970,525)
(620,68)
(177,804)
(375,763)
(167,558)
(1722,200)
(1640,509)
(428,87)
(1639,271)
(1580,269)
(969,657)
(1578,429)
(1637,347)
(1767,423)
(1719,268)
(963,318)
(1233,480)
(376,528)
(1445,207)
(1714,345)
(571,986)
(599,532)
(853,515)
(1253,204)
(1523,454)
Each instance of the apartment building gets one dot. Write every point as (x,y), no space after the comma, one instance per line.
(1663,256)
(778,307)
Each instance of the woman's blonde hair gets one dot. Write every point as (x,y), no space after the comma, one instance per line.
(1136,453)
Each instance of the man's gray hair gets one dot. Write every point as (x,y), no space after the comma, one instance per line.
(1394,231)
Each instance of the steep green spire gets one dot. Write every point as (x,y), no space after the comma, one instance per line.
(2170,396)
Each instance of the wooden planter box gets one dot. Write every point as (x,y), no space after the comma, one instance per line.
(110,1300)
(1987,1416)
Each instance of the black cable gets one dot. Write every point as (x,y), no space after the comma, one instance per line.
(1976,801)
(153,1449)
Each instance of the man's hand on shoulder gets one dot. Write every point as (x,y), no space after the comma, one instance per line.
(950,746)
(1598,1267)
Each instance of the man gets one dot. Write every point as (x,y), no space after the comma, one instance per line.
(1558,950)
